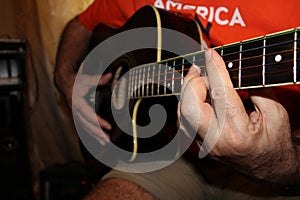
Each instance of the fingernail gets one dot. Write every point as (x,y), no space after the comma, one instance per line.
(192,69)
(208,54)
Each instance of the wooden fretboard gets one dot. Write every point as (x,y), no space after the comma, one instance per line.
(270,60)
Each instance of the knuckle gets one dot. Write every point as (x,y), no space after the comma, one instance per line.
(218,93)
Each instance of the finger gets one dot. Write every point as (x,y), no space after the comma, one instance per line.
(199,113)
(225,100)
(103,123)
(91,119)
(105,79)
(94,131)
(206,111)
(193,103)
(193,72)
(199,87)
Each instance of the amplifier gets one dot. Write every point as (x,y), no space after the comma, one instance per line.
(14,162)
(12,59)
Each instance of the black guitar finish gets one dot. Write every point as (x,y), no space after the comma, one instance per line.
(146,17)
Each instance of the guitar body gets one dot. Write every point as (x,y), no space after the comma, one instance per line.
(107,103)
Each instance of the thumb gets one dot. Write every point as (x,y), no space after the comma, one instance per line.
(104,79)
(267,105)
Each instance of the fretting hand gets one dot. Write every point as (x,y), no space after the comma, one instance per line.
(259,143)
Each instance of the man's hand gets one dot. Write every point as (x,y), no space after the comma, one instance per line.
(258,144)
(83,112)
(72,50)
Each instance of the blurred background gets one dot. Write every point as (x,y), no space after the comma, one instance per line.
(40,155)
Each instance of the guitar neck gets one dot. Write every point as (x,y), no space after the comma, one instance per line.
(271,60)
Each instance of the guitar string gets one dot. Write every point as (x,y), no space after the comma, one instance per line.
(153,76)
(182,64)
(248,79)
(254,77)
(243,51)
(233,77)
(254,48)
(225,55)
(247,42)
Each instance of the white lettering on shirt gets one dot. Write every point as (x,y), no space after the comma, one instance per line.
(159,4)
(219,15)
(173,4)
(237,18)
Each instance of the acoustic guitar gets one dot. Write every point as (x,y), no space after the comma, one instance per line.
(155,75)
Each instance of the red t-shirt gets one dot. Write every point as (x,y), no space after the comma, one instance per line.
(229,21)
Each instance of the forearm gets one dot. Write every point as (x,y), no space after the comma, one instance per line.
(72,49)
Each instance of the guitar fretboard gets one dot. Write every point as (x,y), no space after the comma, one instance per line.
(265,61)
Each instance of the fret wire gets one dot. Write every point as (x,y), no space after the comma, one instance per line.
(137,83)
(193,59)
(240,67)
(153,80)
(264,63)
(173,76)
(135,78)
(134,82)
(158,79)
(222,51)
(182,70)
(143,81)
(129,83)
(148,80)
(295,57)
(132,85)
(165,81)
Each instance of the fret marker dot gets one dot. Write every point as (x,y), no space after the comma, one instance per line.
(168,84)
(230,65)
(278,58)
